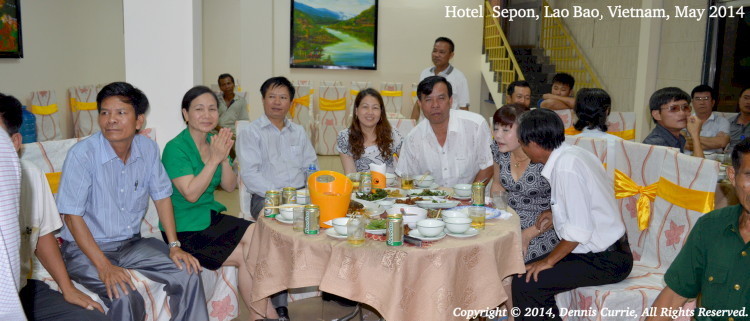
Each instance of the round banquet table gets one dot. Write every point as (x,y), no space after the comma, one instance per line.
(401,283)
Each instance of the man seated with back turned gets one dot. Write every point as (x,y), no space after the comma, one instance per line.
(452,145)
(275,154)
(714,134)
(593,248)
(561,96)
(713,263)
(519,93)
(442,53)
(40,254)
(670,110)
(103,195)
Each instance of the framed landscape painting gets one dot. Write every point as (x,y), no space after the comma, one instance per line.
(334,34)
(10,29)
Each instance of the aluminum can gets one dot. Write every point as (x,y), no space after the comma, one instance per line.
(312,216)
(365,182)
(289,195)
(477,194)
(394,231)
(273,198)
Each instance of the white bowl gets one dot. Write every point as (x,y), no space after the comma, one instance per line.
(411,220)
(453,214)
(463,190)
(426,182)
(390,179)
(430,227)
(458,225)
(286,212)
(386,204)
(339,224)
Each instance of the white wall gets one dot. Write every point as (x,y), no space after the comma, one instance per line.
(163,57)
(65,44)
(406,32)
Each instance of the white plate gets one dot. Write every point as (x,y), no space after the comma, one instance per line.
(433,186)
(492,213)
(413,192)
(469,233)
(376,232)
(431,205)
(415,234)
(282,220)
(332,233)
(463,198)
(389,189)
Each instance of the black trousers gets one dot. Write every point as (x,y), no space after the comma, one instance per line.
(42,303)
(573,271)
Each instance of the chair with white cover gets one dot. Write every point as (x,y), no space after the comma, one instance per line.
(664,231)
(220,286)
(622,124)
(83,107)
(599,147)
(44,107)
(393,97)
(301,111)
(245,197)
(331,117)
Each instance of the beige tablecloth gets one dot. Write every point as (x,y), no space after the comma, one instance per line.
(402,283)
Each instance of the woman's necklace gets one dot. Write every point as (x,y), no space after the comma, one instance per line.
(518,162)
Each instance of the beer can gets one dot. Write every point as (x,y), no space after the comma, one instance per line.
(273,198)
(312,215)
(477,193)
(365,182)
(394,231)
(289,195)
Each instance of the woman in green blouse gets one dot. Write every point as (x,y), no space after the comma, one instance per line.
(196,162)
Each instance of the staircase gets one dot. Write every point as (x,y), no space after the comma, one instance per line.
(501,67)
(537,70)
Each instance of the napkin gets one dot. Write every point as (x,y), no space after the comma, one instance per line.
(378,175)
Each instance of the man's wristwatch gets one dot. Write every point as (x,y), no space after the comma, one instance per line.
(175,244)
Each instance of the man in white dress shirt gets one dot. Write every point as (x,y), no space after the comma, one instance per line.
(593,248)
(275,153)
(452,145)
(442,52)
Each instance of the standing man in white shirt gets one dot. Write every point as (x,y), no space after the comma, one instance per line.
(453,145)
(442,52)
(593,248)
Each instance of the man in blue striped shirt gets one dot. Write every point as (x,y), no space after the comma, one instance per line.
(103,195)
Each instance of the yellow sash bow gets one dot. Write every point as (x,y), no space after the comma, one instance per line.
(694,200)
(414,94)
(54,181)
(392,93)
(332,104)
(570,131)
(302,101)
(353,92)
(44,110)
(626,187)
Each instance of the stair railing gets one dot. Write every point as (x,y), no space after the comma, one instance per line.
(564,52)
(502,61)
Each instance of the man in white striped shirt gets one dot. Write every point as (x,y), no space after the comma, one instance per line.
(10,192)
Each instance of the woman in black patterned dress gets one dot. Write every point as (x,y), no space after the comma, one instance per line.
(528,191)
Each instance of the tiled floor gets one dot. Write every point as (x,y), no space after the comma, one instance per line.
(311,309)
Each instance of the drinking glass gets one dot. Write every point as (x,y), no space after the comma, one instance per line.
(500,200)
(407,182)
(477,214)
(298,222)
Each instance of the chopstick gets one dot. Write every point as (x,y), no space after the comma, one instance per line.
(423,177)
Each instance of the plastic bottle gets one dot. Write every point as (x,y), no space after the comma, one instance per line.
(28,126)
(311,169)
